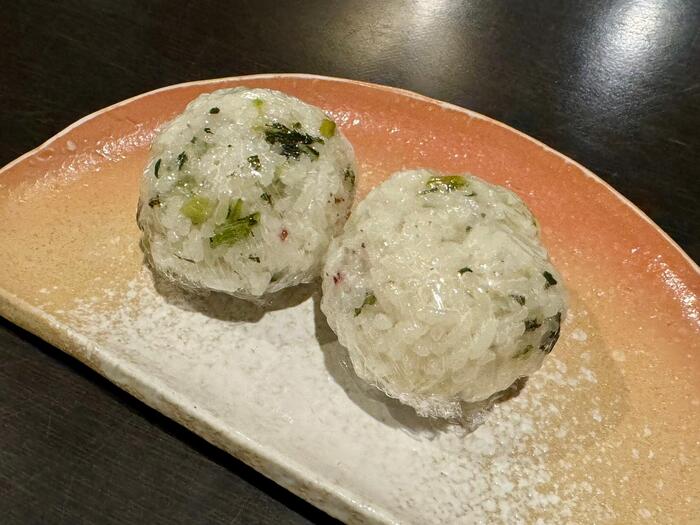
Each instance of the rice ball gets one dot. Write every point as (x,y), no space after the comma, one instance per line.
(243,192)
(441,290)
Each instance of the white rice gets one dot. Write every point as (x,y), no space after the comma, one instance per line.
(442,293)
(246,144)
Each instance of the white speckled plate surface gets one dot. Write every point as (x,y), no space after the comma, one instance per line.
(606,432)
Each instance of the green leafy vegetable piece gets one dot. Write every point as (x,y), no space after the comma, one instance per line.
(551,281)
(291,142)
(258,103)
(349,175)
(532,324)
(327,128)
(156,168)
(444,184)
(234,231)
(254,162)
(370,299)
(197,209)
(524,352)
(214,111)
(186,184)
(181,159)
(465,270)
(551,337)
(235,209)
(520,299)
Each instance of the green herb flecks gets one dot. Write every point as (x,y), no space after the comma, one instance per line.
(349,175)
(551,281)
(197,209)
(155,201)
(370,299)
(327,128)
(184,258)
(551,337)
(214,111)
(235,209)
(181,159)
(236,228)
(193,140)
(267,198)
(291,142)
(254,258)
(524,352)
(444,184)
(186,184)
(532,324)
(468,229)
(254,162)
(258,103)
(232,232)
(520,299)
(156,168)
(465,270)
(208,130)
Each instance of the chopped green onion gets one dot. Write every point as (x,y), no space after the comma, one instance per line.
(258,103)
(267,198)
(327,128)
(156,168)
(208,130)
(155,201)
(465,270)
(197,209)
(254,258)
(214,111)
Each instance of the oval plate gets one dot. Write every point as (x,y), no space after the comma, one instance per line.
(606,432)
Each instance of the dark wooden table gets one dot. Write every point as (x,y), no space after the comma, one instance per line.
(612,84)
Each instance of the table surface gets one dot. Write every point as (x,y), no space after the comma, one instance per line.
(614,85)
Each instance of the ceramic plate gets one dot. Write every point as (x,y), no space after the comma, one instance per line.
(606,432)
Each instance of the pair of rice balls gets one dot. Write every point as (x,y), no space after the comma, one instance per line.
(438,285)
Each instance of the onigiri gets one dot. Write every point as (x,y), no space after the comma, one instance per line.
(441,290)
(243,192)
